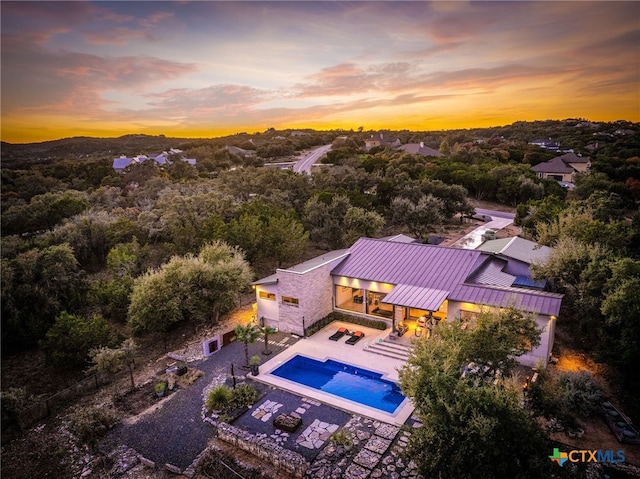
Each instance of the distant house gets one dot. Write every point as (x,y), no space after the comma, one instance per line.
(587,124)
(625,132)
(119,164)
(549,144)
(420,149)
(381,139)
(546,143)
(240,151)
(563,168)
(299,133)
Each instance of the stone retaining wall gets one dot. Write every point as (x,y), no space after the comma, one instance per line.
(264,448)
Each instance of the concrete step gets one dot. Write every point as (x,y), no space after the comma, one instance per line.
(386,353)
(390,350)
(391,344)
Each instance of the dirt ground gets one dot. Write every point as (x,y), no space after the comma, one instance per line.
(597,433)
(188,344)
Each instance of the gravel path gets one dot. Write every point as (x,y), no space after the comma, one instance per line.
(175,433)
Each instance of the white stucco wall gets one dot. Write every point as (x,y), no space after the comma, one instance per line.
(268,309)
(536,357)
(540,356)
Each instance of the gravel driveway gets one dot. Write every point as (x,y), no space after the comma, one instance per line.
(175,433)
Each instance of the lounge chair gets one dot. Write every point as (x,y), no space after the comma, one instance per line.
(338,334)
(355,337)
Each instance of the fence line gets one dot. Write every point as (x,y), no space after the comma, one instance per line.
(44,408)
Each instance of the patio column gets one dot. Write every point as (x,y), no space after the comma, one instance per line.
(365,301)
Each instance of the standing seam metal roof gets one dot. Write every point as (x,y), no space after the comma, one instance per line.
(517,248)
(424,275)
(416,297)
(413,264)
(534,301)
(491,272)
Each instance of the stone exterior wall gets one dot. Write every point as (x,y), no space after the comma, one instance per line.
(264,448)
(314,291)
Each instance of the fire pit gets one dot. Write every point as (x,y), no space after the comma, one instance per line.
(287,423)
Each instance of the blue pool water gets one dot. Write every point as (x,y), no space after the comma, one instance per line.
(343,380)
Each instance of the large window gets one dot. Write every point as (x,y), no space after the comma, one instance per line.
(289,300)
(269,296)
(348,298)
(376,307)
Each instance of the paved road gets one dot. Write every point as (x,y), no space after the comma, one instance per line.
(305,164)
(474,239)
(495,214)
(176,433)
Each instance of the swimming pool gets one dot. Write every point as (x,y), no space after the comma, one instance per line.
(343,380)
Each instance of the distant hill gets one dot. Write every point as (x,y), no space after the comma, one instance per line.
(79,146)
(571,133)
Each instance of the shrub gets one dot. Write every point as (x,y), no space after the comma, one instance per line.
(225,418)
(580,392)
(13,403)
(543,396)
(346,318)
(90,423)
(69,340)
(160,387)
(244,395)
(218,398)
(342,437)
(255,360)
(566,395)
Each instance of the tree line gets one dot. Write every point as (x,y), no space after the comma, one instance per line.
(81,241)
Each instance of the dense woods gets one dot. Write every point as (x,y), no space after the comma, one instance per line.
(86,249)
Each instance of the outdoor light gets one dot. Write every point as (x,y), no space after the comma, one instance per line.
(418,331)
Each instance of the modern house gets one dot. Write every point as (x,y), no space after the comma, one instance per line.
(398,281)
(563,168)
(420,149)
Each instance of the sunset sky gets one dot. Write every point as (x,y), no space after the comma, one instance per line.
(207,69)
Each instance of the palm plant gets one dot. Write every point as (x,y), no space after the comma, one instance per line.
(248,334)
(267,330)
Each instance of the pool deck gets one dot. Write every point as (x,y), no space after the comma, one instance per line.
(320,347)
